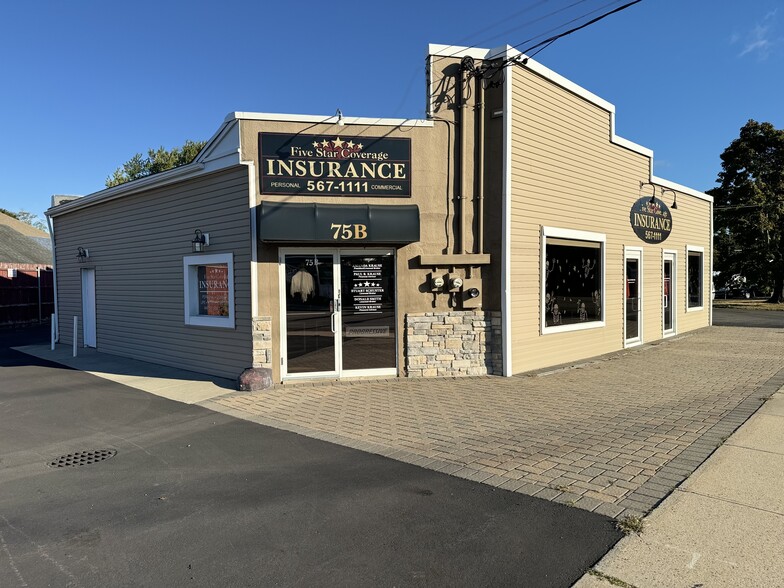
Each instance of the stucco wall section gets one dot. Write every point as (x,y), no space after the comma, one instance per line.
(457,343)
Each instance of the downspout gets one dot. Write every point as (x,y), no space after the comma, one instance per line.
(54,280)
(710,297)
(480,172)
(461,176)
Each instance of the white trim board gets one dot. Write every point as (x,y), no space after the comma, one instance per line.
(506,236)
(329,120)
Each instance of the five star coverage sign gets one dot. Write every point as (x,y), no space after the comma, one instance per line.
(327,165)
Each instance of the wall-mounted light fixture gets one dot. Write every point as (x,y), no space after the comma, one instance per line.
(82,254)
(200,241)
(653,196)
(340,117)
(674,197)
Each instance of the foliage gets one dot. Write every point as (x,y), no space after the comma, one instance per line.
(157,160)
(27,217)
(749,208)
(630,524)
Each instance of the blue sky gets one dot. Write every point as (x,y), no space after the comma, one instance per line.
(86,84)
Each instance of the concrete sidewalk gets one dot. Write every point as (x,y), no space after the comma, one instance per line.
(614,435)
(723,527)
(167,382)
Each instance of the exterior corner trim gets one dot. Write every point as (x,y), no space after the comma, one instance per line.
(506,262)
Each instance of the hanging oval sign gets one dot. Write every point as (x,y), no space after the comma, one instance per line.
(651,220)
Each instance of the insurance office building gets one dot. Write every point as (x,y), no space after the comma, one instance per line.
(509,231)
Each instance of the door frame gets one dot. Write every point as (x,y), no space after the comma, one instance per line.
(336,253)
(87,276)
(633,253)
(672,255)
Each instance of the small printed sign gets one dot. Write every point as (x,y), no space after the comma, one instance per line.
(334,165)
(651,220)
(378,331)
(367,288)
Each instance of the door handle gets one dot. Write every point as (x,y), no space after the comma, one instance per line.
(666,301)
(332,320)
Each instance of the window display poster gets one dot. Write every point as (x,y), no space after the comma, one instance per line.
(213,281)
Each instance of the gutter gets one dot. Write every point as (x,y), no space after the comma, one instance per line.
(159,179)
(54,278)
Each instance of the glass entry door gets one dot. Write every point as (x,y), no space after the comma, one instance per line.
(310,309)
(633,322)
(668,293)
(339,313)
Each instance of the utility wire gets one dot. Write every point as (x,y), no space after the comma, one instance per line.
(573,30)
(740,206)
(550,40)
(527,24)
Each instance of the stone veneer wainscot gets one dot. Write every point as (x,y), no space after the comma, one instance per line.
(262,342)
(457,343)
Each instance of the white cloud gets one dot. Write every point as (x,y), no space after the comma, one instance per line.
(761,39)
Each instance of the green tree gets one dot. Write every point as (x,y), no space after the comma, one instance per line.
(749,208)
(27,217)
(157,160)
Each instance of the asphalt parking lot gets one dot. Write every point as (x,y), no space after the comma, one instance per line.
(197,498)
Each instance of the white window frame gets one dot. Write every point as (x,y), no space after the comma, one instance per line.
(576,236)
(701,251)
(191,288)
(638,254)
(674,291)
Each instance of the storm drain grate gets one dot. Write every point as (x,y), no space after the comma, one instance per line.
(81,458)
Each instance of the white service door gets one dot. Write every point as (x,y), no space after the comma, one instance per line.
(88,306)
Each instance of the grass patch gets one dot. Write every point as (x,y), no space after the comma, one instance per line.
(630,524)
(740,303)
(611,579)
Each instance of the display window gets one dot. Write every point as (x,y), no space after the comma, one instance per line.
(694,273)
(572,280)
(209,290)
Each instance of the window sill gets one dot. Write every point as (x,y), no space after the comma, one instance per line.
(570,328)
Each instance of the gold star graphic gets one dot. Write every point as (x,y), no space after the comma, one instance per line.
(359,146)
(350,144)
(338,143)
(325,143)
(316,144)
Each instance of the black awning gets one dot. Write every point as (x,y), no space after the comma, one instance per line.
(337,223)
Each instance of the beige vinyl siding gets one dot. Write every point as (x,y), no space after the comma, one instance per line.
(137,244)
(690,225)
(567,174)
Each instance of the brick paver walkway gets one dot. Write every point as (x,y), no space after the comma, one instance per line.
(613,435)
